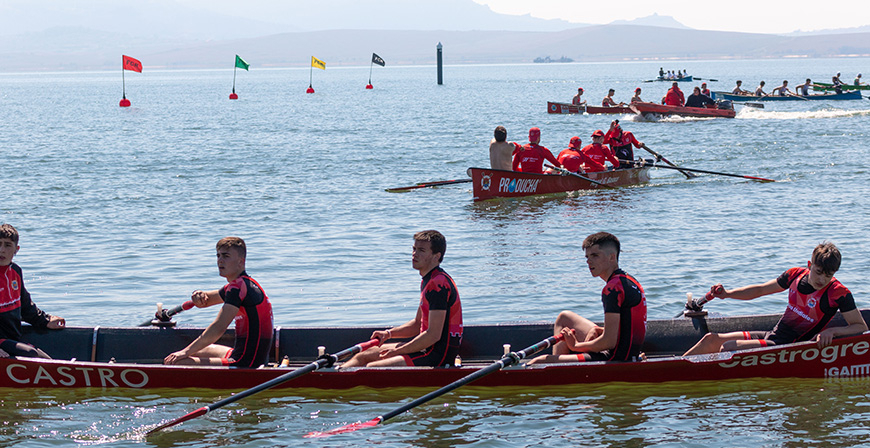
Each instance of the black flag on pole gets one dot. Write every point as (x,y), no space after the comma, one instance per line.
(378,60)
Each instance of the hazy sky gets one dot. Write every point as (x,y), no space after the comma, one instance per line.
(749,16)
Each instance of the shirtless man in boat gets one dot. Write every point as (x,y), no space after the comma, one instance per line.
(782,90)
(608,100)
(242,300)
(814,296)
(433,336)
(578,98)
(16,304)
(739,91)
(624,302)
(500,150)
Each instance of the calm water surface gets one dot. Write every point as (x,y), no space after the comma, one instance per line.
(120,208)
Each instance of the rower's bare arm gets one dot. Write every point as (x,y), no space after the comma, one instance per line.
(203,299)
(608,338)
(857,325)
(211,334)
(408,329)
(426,338)
(752,291)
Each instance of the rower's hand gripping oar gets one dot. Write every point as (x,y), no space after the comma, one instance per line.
(697,305)
(165,316)
(569,173)
(660,157)
(695,170)
(507,360)
(324,361)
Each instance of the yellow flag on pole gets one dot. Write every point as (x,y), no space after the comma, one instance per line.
(318,63)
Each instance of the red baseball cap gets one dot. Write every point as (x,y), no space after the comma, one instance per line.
(534,134)
(598,133)
(575,142)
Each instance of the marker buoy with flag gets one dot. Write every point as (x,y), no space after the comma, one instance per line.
(132,64)
(314,63)
(375,60)
(240,63)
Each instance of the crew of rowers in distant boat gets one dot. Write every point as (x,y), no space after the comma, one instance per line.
(669,75)
(614,146)
(700,97)
(801,90)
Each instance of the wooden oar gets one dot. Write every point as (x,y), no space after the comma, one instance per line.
(507,360)
(428,184)
(323,361)
(164,315)
(564,171)
(695,170)
(659,157)
(706,79)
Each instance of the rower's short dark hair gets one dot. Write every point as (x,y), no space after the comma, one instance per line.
(827,256)
(7,232)
(604,240)
(500,134)
(233,242)
(435,239)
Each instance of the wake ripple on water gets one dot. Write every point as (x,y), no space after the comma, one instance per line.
(761,114)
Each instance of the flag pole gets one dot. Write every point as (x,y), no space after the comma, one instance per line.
(123,84)
(234,79)
(371,66)
(310,74)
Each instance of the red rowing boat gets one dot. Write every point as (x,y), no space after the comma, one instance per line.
(139,351)
(646,109)
(491,184)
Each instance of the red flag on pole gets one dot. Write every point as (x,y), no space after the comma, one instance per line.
(131,64)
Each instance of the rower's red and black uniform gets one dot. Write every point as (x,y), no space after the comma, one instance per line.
(620,144)
(530,158)
(438,292)
(809,310)
(253,322)
(15,306)
(623,295)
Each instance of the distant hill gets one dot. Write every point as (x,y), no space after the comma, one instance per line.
(653,20)
(354,47)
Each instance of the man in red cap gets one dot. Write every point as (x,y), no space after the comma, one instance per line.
(598,152)
(675,96)
(620,143)
(578,98)
(573,159)
(530,158)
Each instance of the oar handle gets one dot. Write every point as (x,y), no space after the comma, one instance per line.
(166,315)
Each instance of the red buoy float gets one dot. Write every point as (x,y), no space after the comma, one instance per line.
(309,89)
(369,87)
(233,96)
(124,102)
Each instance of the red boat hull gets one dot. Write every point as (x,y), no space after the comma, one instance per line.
(846,357)
(592,110)
(491,184)
(563,108)
(661,109)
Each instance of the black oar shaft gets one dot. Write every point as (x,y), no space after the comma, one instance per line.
(429,184)
(321,362)
(564,171)
(695,170)
(660,157)
(183,307)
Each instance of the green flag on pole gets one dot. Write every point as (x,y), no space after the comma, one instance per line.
(240,63)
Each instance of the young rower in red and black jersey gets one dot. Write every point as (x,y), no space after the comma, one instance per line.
(620,143)
(16,304)
(814,296)
(244,301)
(530,158)
(435,333)
(624,302)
